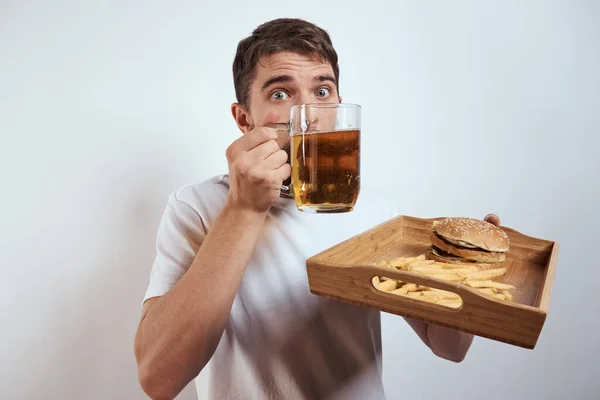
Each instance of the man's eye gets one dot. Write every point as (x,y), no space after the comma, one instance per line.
(323,92)
(279,95)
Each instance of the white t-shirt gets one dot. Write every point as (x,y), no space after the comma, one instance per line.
(281,341)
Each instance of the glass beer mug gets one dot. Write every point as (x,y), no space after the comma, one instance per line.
(324,154)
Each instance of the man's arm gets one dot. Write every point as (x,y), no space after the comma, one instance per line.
(179,331)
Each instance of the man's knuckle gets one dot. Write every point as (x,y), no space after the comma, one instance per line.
(273,146)
(273,183)
(260,132)
(241,167)
(255,175)
(266,133)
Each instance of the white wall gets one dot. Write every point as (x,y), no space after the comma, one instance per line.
(469,108)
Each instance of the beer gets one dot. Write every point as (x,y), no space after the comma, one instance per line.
(326,170)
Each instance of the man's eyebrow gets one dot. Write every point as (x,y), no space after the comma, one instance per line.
(325,78)
(276,79)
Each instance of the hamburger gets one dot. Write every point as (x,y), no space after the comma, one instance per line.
(464,240)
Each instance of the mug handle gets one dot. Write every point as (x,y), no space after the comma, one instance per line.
(286,189)
(286,186)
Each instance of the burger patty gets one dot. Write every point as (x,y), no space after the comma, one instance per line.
(478,254)
(459,246)
(445,254)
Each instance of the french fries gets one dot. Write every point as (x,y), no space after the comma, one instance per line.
(488,284)
(507,295)
(450,303)
(486,275)
(489,291)
(424,269)
(386,285)
(448,276)
(461,267)
(469,275)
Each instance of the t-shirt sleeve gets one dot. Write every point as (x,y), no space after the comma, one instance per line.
(180,233)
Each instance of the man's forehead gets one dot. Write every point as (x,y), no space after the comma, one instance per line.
(291,63)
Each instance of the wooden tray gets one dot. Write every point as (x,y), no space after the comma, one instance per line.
(345,272)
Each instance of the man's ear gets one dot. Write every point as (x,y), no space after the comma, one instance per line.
(241,117)
(340,98)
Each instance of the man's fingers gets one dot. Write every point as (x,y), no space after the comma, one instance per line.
(492,219)
(264,150)
(276,160)
(256,137)
(283,172)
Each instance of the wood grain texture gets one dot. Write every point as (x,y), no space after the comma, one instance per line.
(345,271)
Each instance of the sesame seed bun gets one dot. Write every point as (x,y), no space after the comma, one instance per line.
(473,232)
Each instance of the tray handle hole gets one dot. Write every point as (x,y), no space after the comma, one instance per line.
(417,292)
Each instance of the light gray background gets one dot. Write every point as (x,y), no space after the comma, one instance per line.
(469,108)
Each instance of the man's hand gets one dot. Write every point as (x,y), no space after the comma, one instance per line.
(447,343)
(257,168)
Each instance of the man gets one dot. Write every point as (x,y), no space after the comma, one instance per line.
(229,284)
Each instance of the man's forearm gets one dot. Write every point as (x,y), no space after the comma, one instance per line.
(180,331)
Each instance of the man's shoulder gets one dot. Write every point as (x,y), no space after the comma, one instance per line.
(204,197)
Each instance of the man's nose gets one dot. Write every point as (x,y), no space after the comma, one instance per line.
(309,114)
(304,98)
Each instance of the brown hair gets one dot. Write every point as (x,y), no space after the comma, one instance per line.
(283,34)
